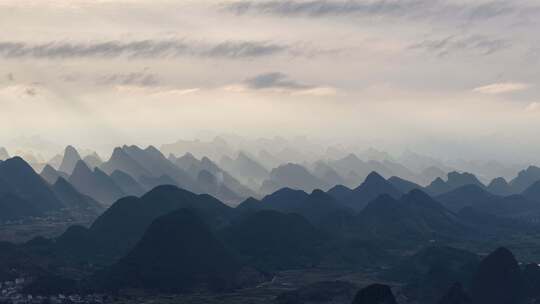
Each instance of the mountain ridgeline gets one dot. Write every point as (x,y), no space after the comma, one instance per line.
(188,225)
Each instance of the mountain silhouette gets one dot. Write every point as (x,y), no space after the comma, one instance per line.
(328,174)
(69,161)
(415,216)
(533,192)
(95,184)
(375,294)
(13,207)
(212,179)
(51,175)
(274,240)
(150,182)
(403,185)
(123,224)
(121,161)
(93,160)
(177,253)
(454,180)
(499,186)
(525,179)
(215,186)
(373,186)
(314,206)
(514,206)
(245,168)
(149,167)
(465,196)
(430,272)
(292,176)
(127,183)
(21,181)
(72,198)
(498,279)
(456,295)
(531,278)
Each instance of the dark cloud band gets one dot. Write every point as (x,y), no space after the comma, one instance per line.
(274,80)
(139,49)
(424,9)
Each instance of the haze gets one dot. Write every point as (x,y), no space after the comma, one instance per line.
(453,79)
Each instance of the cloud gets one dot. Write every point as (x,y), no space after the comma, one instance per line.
(432,9)
(141,79)
(274,80)
(277,81)
(501,88)
(139,49)
(452,44)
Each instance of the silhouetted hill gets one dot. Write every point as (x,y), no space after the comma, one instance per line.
(149,166)
(19,179)
(328,174)
(72,198)
(432,173)
(416,216)
(122,225)
(498,280)
(531,278)
(374,186)
(339,192)
(533,192)
(432,271)
(404,186)
(15,262)
(212,179)
(455,180)
(177,253)
(93,160)
(214,185)
(121,161)
(274,240)
(95,184)
(292,176)
(314,206)
(249,205)
(499,186)
(375,294)
(127,183)
(70,159)
(525,179)
(51,175)
(244,168)
(13,207)
(150,182)
(456,295)
(514,206)
(465,196)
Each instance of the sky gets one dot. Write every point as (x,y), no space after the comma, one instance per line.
(449,78)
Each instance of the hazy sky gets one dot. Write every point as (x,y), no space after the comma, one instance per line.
(443,77)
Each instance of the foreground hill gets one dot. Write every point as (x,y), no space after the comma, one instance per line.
(415,216)
(121,226)
(273,240)
(177,253)
(314,206)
